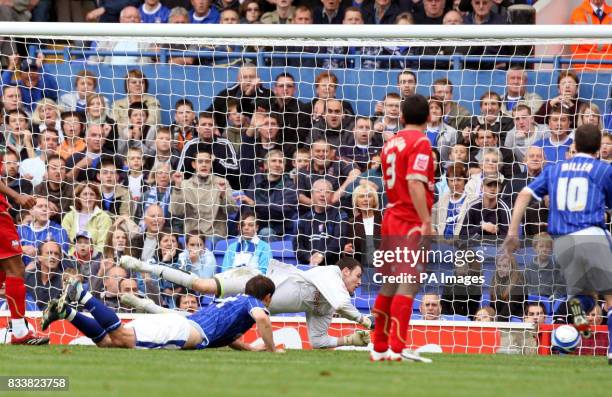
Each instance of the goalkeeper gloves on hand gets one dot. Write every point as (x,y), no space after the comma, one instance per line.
(367,321)
(359,338)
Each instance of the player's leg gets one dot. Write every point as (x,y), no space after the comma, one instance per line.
(12,270)
(382,312)
(144,305)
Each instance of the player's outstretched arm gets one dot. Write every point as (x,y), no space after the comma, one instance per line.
(264,328)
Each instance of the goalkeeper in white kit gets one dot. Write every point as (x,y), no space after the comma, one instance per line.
(319,292)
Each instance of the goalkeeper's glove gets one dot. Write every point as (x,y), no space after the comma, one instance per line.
(358,338)
(367,321)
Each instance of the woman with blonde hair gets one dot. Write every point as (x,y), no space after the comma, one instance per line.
(508,291)
(87,215)
(364,229)
(47,115)
(96,112)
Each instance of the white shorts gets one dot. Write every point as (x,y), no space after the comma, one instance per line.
(160,331)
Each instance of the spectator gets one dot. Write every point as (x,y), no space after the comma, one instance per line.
(333,124)
(365,223)
(117,241)
(97,113)
(83,165)
(326,86)
(204,200)
(589,113)
(296,121)
(535,313)
(273,196)
(487,216)
(362,145)
(237,123)
(249,250)
(129,14)
(380,12)
(184,127)
(525,132)
(143,246)
(158,190)
(55,188)
(462,298)
(331,12)
(85,259)
(246,90)
(163,150)
(536,214)
(136,86)
(72,127)
(486,139)
(459,154)
(452,204)
(491,116)
(153,11)
(196,258)
(542,276)
(10,173)
(485,314)
(373,175)
(592,12)
(18,134)
(508,290)
(180,15)
(250,11)
(441,135)
(108,292)
(481,14)
(136,133)
(430,307)
(86,215)
(568,84)
(455,115)
(452,17)
(116,198)
(43,279)
(516,92)
(432,13)
(45,115)
(322,231)
(111,10)
(230,16)
(389,122)
(85,84)
(34,168)
(605,153)
(558,140)
(326,165)
(168,255)
(136,178)
(598,344)
(34,82)
(39,230)
(188,303)
(524,341)
(225,161)
(203,12)
(11,101)
(283,14)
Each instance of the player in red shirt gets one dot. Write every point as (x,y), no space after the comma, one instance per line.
(12,267)
(408,172)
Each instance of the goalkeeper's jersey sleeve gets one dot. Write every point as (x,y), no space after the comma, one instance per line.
(225,320)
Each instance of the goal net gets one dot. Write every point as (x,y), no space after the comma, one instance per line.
(210,149)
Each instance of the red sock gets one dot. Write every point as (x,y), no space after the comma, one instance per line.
(401,310)
(382,311)
(15,296)
(2,278)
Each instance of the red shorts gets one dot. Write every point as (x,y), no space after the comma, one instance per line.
(9,242)
(402,254)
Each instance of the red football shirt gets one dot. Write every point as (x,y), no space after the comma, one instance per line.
(407,156)
(4,204)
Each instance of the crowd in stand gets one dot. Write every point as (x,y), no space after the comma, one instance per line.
(262,166)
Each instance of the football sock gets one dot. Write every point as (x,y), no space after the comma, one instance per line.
(15,292)
(176,276)
(401,310)
(88,326)
(103,315)
(586,301)
(382,311)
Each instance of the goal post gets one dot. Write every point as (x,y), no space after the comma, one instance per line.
(312,84)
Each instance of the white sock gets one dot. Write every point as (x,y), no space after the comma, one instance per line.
(19,327)
(85,297)
(174,275)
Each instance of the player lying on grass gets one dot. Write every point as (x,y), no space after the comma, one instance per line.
(319,292)
(217,325)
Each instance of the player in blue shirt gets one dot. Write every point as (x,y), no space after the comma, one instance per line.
(220,324)
(580,190)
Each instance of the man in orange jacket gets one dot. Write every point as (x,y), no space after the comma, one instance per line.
(592,12)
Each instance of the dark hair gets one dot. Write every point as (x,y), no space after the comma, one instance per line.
(196,234)
(109,160)
(203,148)
(408,72)
(51,157)
(415,109)
(534,303)
(16,112)
(138,106)
(587,139)
(348,262)
(183,102)
(136,74)
(206,115)
(456,170)
(259,287)
(286,75)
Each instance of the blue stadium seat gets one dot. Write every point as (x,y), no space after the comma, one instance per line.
(283,251)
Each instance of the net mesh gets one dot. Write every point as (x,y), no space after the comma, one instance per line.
(112,133)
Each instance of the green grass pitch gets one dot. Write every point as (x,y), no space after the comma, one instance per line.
(206,373)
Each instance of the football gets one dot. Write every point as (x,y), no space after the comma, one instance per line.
(565,339)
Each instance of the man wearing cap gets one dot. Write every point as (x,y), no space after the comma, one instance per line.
(487,217)
(84,257)
(31,79)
